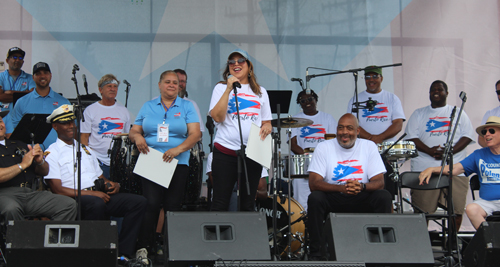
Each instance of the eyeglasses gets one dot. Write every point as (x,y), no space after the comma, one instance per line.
(491,130)
(241,60)
(498,92)
(374,76)
(305,100)
(17,57)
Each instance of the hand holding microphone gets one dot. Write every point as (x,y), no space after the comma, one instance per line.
(234,81)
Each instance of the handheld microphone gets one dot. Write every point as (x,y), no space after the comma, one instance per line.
(85,84)
(125,82)
(235,84)
(463,96)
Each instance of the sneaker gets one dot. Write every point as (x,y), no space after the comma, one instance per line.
(142,255)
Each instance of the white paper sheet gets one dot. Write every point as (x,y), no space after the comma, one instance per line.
(152,167)
(259,150)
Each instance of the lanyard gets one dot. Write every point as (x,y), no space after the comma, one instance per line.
(165,117)
(12,85)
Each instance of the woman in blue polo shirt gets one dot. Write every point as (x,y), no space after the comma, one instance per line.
(170,125)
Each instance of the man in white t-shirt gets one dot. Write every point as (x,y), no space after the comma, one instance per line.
(305,139)
(346,175)
(182,75)
(428,129)
(383,120)
(489,113)
(104,120)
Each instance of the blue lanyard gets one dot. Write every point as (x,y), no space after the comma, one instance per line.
(12,85)
(165,107)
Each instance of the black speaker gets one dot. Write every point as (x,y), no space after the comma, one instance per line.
(484,248)
(379,239)
(204,237)
(287,264)
(61,243)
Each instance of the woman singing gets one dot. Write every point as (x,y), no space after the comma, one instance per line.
(254,108)
(170,125)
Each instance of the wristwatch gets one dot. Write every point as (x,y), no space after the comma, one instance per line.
(363,187)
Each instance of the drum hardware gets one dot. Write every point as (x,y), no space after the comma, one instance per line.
(291,122)
(123,157)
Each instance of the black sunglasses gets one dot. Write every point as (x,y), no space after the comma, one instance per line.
(498,92)
(305,100)
(241,60)
(491,130)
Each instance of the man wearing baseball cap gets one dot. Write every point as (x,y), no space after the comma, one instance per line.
(485,162)
(43,100)
(14,79)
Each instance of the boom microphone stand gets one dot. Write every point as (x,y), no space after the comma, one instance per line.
(79,119)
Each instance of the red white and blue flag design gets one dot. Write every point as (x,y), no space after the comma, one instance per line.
(110,125)
(315,131)
(378,112)
(249,105)
(438,125)
(346,168)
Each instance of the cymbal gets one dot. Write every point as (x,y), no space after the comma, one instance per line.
(291,122)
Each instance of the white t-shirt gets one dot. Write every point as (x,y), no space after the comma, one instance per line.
(253,109)
(310,136)
(387,109)
(337,165)
(103,123)
(202,125)
(430,125)
(491,112)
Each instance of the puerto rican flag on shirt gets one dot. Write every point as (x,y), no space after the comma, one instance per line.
(438,125)
(110,125)
(380,111)
(346,168)
(249,105)
(315,131)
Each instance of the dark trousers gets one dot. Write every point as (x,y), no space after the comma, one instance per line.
(321,203)
(225,175)
(129,206)
(158,196)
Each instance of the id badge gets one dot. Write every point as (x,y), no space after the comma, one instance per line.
(162,133)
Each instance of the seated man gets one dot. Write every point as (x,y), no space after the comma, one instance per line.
(95,204)
(346,175)
(485,162)
(18,166)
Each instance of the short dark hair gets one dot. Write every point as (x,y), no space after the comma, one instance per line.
(496,84)
(181,71)
(303,92)
(441,82)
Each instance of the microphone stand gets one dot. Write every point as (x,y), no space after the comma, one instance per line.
(277,167)
(448,157)
(126,93)
(240,153)
(79,117)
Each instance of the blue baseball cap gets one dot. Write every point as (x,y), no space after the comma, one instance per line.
(240,51)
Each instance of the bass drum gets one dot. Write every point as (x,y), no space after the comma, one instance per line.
(123,157)
(194,183)
(282,214)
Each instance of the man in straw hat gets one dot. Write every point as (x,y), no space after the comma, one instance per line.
(485,162)
(100,196)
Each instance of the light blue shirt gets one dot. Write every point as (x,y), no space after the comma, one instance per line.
(23,82)
(178,116)
(36,104)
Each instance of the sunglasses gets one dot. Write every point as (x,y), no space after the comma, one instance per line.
(305,100)
(498,92)
(17,57)
(374,76)
(484,131)
(240,61)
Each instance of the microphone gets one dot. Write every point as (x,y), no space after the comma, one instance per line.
(235,84)
(125,82)
(308,90)
(370,104)
(453,113)
(75,67)
(463,96)
(296,79)
(85,84)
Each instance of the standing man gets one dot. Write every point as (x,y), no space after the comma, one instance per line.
(182,75)
(43,100)
(345,175)
(308,137)
(489,113)
(100,197)
(428,129)
(19,165)
(14,78)
(386,118)
(104,120)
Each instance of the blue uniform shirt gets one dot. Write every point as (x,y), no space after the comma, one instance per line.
(36,104)
(23,82)
(178,116)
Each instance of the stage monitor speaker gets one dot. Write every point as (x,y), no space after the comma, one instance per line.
(287,264)
(61,243)
(484,248)
(379,239)
(204,237)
